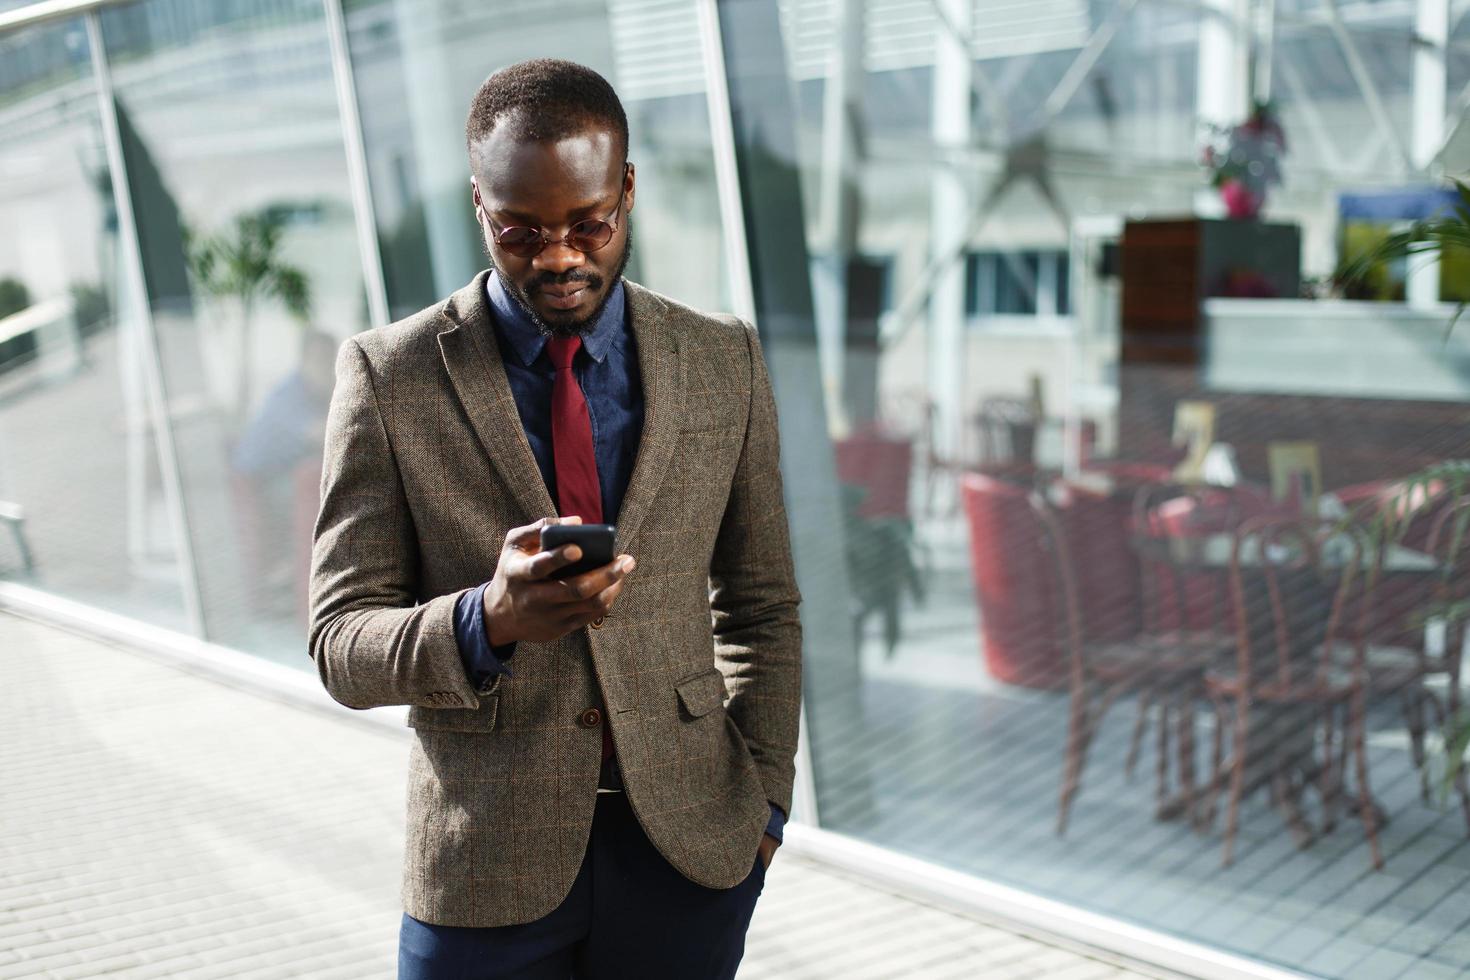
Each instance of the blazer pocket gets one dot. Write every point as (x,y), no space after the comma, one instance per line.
(701,693)
(481,719)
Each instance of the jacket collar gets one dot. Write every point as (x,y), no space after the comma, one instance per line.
(477,374)
(527,340)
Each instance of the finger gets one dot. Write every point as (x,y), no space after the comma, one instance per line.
(528,537)
(604,600)
(591,610)
(589,584)
(562,596)
(546,562)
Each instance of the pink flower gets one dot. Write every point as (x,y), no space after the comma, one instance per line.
(1239,201)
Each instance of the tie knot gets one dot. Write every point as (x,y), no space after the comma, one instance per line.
(562,350)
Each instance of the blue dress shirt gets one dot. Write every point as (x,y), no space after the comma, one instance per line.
(607,369)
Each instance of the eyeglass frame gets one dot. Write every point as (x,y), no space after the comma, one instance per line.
(547,242)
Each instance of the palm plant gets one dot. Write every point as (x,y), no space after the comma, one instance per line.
(1432,236)
(1428,236)
(1447,482)
(244,263)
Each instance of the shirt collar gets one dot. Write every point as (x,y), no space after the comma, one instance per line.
(527,340)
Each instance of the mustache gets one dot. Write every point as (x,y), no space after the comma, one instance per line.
(545,279)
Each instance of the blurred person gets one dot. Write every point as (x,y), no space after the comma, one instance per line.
(275,467)
(602,764)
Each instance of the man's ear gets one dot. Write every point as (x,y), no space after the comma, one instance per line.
(475,190)
(628,194)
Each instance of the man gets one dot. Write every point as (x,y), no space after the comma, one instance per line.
(601,765)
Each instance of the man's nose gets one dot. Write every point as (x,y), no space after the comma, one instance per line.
(558,259)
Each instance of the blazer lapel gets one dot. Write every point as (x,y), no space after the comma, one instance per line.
(663,400)
(472,358)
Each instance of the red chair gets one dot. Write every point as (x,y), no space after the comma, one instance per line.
(1100,671)
(1014,587)
(881,465)
(1394,609)
(1290,582)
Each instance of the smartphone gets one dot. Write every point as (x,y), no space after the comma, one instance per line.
(595,540)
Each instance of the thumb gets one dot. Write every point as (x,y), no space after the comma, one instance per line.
(527,537)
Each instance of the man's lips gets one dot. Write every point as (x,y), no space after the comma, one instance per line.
(564,297)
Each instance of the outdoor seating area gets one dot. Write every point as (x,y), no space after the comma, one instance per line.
(1249,626)
(1125,680)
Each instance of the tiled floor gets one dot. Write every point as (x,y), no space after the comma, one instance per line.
(157,824)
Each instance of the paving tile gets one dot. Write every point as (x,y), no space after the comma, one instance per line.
(137,855)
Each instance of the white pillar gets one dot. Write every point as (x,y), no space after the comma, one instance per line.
(1223,67)
(837,227)
(1222,82)
(1432,25)
(949,221)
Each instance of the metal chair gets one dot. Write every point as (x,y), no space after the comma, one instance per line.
(1174,617)
(1290,581)
(1100,672)
(1395,611)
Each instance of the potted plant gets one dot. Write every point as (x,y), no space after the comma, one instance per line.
(1244,161)
(244,264)
(1428,236)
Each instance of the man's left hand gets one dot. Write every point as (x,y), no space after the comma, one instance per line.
(768,850)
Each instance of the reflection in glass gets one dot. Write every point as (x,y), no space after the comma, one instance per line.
(416,65)
(82,507)
(234,145)
(1090,399)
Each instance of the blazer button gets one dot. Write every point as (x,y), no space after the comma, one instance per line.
(591,718)
(597,623)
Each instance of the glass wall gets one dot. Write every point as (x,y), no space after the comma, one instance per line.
(1150,513)
(84,509)
(1124,500)
(416,65)
(235,149)
(231,133)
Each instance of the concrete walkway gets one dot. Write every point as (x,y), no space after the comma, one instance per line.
(155,823)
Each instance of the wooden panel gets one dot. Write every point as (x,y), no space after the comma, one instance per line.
(1161,292)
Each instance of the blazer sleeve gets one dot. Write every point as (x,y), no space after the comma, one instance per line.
(373,642)
(754,598)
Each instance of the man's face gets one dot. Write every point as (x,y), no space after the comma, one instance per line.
(551,186)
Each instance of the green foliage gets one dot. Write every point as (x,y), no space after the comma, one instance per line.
(245,263)
(92,305)
(1457,741)
(1444,483)
(14,296)
(1445,235)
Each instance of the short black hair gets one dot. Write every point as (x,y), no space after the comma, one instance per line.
(548,100)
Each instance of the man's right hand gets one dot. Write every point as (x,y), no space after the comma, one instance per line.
(522,603)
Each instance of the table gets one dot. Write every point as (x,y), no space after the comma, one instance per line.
(1281,740)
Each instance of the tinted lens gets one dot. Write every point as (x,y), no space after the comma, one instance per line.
(589,235)
(521,241)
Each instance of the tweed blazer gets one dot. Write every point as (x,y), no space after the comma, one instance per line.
(697,668)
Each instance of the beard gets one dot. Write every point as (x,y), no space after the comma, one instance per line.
(593,281)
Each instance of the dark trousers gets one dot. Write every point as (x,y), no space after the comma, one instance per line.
(629,914)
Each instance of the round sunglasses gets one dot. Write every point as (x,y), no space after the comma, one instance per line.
(587,235)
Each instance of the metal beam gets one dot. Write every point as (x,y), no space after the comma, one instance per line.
(152,363)
(357,169)
(1303,102)
(48,10)
(1086,59)
(1367,86)
(986,93)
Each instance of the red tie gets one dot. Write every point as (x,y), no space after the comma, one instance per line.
(578,491)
